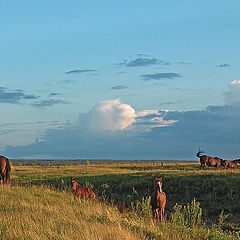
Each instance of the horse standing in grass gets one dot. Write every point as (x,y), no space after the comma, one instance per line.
(206,160)
(158,200)
(231,164)
(82,192)
(5,170)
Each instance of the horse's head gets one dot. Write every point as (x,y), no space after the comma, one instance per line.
(158,184)
(74,183)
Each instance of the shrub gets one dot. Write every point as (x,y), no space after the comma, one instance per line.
(142,207)
(189,215)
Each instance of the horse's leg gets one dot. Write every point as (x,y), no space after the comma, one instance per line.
(205,165)
(4,177)
(162,213)
(154,213)
(157,214)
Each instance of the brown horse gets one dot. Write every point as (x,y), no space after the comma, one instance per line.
(5,170)
(231,164)
(206,160)
(82,192)
(158,200)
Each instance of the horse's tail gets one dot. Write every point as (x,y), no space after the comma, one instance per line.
(8,169)
(198,154)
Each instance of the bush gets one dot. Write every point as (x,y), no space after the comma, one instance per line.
(188,216)
(142,207)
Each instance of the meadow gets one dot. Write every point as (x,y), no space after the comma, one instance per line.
(39,204)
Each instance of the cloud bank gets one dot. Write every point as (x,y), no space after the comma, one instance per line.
(112,129)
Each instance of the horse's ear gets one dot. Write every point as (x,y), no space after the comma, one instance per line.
(160,179)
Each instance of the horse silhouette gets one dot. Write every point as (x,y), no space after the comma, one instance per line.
(158,200)
(82,192)
(5,169)
(206,160)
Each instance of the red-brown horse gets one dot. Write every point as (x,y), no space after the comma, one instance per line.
(5,169)
(82,192)
(206,160)
(158,200)
(231,164)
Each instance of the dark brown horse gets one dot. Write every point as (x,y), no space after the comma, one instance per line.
(231,164)
(82,192)
(206,160)
(5,170)
(158,200)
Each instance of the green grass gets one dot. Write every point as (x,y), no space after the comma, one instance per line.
(39,212)
(216,191)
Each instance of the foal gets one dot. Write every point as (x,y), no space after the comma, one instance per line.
(158,200)
(82,192)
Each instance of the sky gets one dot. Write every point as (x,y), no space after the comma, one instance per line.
(120,79)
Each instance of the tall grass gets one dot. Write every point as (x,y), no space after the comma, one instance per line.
(39,212)
(215,190)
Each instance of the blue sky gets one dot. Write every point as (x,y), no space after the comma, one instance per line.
(119,79)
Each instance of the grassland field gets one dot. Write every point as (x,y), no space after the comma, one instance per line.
(131,182)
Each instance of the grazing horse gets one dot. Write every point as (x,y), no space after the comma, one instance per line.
(231,164)
(5,170)
(206,160)
(158,200)
(82,192)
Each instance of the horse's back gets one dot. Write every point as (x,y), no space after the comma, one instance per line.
(85,192)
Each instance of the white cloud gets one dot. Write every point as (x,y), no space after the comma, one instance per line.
(115,130)
(148,119)
(110,115)
(233,95)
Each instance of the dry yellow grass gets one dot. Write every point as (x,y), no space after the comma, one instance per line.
(41,213)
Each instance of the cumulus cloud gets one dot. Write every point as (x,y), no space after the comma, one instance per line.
(159,76)
(232,96)
(110,115)
(112,129)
